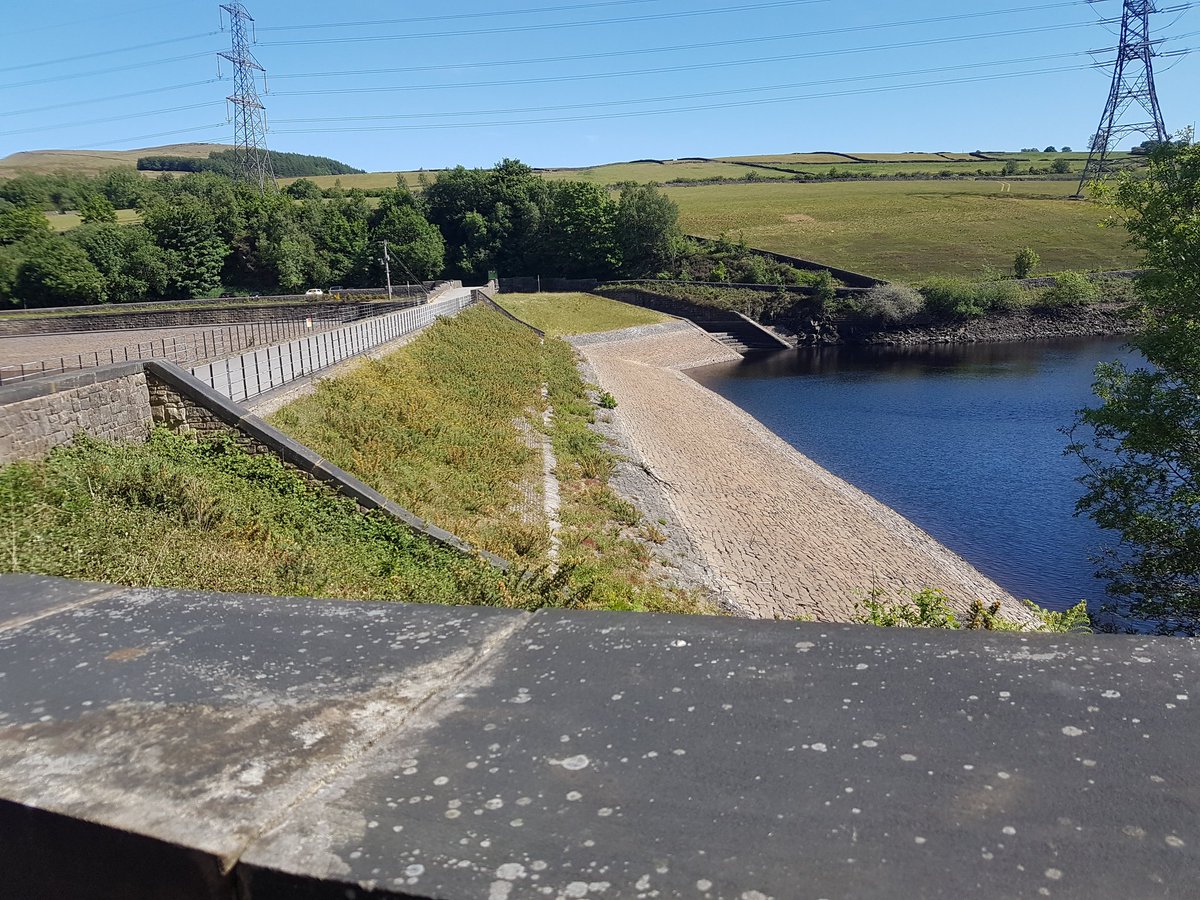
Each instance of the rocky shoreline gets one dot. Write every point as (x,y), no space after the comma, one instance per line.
(1024,325)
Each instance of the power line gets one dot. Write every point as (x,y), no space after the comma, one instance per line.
(91,100)
(692,96)
(457,17)
(691,67)
(75,21)
(67,59)
(126,68)
(549,26)
(706,45)
(705,108)
(142,137)
(142,115)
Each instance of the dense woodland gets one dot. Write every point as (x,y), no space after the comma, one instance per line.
(204,233)
(225,162)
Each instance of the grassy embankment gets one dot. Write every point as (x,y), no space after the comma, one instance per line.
(566,314)
(433,427)
(177,514)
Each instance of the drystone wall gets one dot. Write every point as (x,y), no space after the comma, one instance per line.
(110,404)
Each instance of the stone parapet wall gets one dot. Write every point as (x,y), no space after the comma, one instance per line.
(110,404)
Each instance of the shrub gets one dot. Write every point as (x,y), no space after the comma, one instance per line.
(608,401)
(1026,262)
(1061,167)
(891,303)
(826,289)
(1003,296)
(949,296)
(1070,289)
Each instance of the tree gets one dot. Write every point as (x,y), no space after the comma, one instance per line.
(1066,150)
(303,189)
(133,266)
(1026,262)
(1051,149)
(579,236)
(97,208)
(186,229)
(1061,167)
(647,229)
(21,222)
(56,272)
(1011,168)
(1143,451)
(412,239)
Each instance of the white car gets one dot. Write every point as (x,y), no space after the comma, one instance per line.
(314,292)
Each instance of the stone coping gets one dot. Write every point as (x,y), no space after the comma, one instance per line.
(160,743)
(45,385)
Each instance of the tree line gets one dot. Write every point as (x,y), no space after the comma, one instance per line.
(225,162)
(205,232)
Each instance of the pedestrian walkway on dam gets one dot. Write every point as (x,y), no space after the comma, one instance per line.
(786,537)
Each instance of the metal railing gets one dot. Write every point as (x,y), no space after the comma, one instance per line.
(195,346)
(254,373)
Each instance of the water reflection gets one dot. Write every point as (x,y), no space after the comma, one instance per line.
(964,440)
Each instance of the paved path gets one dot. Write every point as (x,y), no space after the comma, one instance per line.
(785,535)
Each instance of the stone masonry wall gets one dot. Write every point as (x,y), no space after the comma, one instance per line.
(110,404)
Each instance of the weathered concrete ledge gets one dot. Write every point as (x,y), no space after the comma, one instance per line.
(786,537)
(187,745)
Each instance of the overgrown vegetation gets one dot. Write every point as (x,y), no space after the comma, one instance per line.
(180,514)
(931,609)
(1141,445)
(433,427)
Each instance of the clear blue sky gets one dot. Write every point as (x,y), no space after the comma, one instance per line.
(530,80)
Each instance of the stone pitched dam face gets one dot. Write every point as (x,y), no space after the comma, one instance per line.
(187,745)
(785,536)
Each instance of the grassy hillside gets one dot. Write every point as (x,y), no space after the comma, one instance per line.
(90,162)
(771,166)
(910,229)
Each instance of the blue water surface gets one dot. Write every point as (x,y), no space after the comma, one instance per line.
(963,440)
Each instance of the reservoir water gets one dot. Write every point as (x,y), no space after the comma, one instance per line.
(962,440)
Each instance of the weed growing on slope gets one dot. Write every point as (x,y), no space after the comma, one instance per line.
(180,514)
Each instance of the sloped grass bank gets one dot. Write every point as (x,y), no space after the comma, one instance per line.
(568,314)
(175,513)
(432,427)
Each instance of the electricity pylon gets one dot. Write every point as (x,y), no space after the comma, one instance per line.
(1132,87)
(249,114)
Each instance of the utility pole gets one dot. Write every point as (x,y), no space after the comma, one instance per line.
(249,114)
(387,267)
(1132,86)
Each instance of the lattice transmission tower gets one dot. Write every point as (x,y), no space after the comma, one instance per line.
(1132,89)
(249,114)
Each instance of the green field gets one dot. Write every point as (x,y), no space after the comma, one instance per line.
(906,230)
(565,314)
(69,220)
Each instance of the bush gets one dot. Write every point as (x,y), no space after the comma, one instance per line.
(1002,296)
(891,303)
(1026,262)
(948,296)
(1070,289)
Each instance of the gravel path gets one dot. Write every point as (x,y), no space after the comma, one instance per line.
(786,537)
